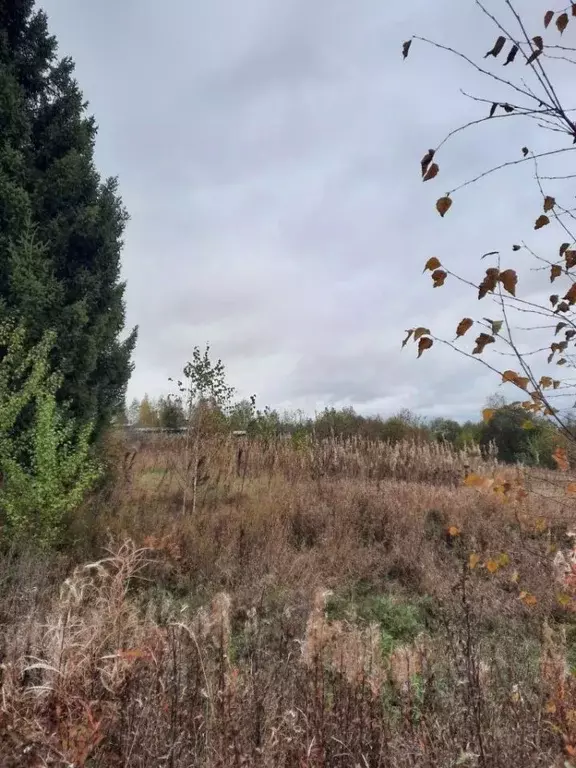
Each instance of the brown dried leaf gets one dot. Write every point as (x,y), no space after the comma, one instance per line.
(443,205)
(493,108)
(431,172)
(509,280)
(482,341)
(571,295)
(562,22)
(573,9)
(563,248)
(463,326)
(421,332)
(533,56)
(498,45)
(545,382)
(517,247)
(511,55)
(554,299)
(561,458)
(556,384)
(425,343)
(548,16)
(559,328)
(438,277)
(489,283)
(409,332)
(406,48)
(515,378)
(426,160)
(541,221)
(432,264)
(538,42)
(555,271)
(549,203)
(562,307)
(507,107)
(570,256)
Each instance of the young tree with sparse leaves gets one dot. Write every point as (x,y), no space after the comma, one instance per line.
(526,341)
(525,44)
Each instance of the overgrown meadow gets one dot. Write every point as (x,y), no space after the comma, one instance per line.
(328,603)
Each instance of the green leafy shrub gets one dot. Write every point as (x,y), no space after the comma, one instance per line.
(45,459)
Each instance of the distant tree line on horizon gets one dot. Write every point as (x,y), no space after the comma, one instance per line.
(518,436)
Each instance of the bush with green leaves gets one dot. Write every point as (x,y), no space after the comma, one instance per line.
(45,460)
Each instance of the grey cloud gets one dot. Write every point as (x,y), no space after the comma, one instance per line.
(269,155)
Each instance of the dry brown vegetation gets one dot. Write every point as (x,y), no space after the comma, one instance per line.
(318,609)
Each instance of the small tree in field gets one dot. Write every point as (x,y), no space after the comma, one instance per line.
(526,341)
(45,462)
(206,396)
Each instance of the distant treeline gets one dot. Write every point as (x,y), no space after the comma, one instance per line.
(518,436)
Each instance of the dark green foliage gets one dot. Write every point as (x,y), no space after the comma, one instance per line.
(171,413)
(519,436)
(61,227)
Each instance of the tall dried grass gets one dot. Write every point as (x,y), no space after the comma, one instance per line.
(208,640)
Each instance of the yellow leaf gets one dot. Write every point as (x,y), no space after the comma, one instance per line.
(571,488)
(492,566)
(503,560)
(541,525)
(541,221)
(453,531)
(463,326)
(515,577)
(473,561)
(432,264)
(528,425)
(443,205)
(563,599)
(487,414)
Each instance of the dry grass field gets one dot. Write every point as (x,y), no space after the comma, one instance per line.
(315,605)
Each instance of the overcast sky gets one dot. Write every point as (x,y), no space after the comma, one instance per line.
(268,153)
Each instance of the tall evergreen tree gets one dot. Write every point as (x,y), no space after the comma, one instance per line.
(61,226)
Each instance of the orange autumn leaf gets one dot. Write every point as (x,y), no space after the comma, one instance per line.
(473,561)
(432,264)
